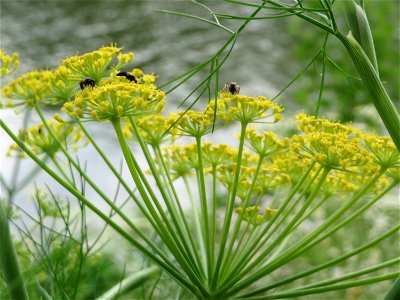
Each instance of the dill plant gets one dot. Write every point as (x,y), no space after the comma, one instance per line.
(270,187)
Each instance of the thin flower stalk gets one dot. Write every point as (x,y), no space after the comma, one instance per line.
(174,244)
(229,207)
(165,264)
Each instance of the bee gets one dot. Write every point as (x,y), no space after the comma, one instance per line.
(87,82)
(128,76)
(232,87)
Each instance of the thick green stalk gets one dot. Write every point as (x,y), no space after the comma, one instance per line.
(394,292)
(384,105)
(9,266)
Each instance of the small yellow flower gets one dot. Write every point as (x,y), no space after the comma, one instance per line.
(331,144)
(29,89)
(384,152)
(215,155)
(243,108)
(114,99)
(153,128)
(8,64)
(97,64)
(40,141)
(178,161)
(264,143)
(191,123)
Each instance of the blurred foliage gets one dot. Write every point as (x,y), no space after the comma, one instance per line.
(342,94)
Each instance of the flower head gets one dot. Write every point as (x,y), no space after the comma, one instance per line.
(152,129)
(333,145)
(8,64)
(97,64)
(243,108)
(264,143)
(384,151)
(115,99)
(28,89)
(191,123)
(40,141)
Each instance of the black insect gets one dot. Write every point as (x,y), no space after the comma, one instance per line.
(232,87)
(87,82)
(39,130)
(128,76)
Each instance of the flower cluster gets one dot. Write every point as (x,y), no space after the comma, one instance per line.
(97,64)
(331,144)
(115,99)
(41,141)
(191,123)
(244,109)
(264,143)
(8,64)
(28,89)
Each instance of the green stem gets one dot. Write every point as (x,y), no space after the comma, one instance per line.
(196,221)
(369,76)
(327,264)
(229,207)
(168,235)
(165,263)
(318,290)
(241,215)
(303,244)
(204,208)
(170,184)
(257,243)
(9,265)
(288,228)
(181,239)
(120,179)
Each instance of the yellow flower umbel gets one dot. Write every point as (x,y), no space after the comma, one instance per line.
(178,162)
(8,64)
(114,99)
(62,87)
(40,141)
(333,145)
(215,155)
(29,89)
(384,152)
(264,143)
(191,123)
(152,129)
(97,64)
(244,109)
